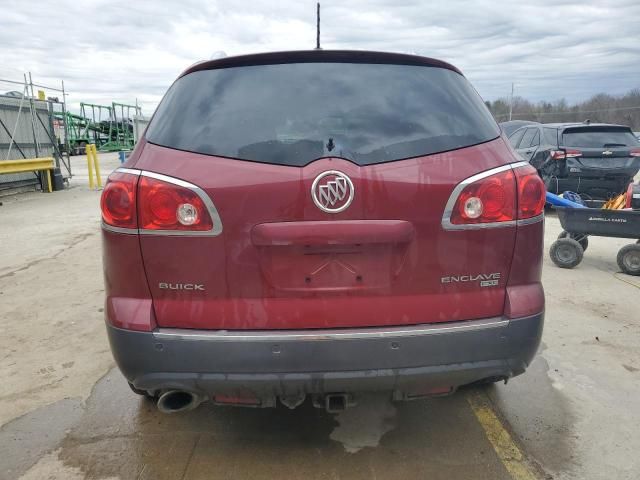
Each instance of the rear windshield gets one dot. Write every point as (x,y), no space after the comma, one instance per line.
(292,114)
(599,138)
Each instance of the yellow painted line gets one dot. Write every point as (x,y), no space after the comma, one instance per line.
(506,449)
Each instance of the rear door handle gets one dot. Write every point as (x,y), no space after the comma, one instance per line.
(335,232)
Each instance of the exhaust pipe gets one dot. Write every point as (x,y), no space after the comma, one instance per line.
(175,401)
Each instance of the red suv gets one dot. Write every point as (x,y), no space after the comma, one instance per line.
(321,223)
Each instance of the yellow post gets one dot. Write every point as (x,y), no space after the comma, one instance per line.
(49,181)
(89,165)
(96,166)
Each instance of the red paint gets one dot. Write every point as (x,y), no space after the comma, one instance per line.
(525,295)
(128,300)
(280,262)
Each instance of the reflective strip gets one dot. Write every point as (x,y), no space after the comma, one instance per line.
(328,334)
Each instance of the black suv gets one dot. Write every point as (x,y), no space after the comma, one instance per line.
(596,160)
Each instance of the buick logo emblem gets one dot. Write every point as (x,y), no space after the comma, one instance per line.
(332,191)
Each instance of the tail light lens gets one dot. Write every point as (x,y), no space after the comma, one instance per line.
(531,192)
(628,196)
(562,154)
(505,196)
(118,201)
(635,152)
(490,199)
(169,206)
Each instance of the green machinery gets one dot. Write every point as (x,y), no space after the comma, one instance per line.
(76,133)
(109,127)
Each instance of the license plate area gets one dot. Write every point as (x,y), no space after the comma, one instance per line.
(330,268)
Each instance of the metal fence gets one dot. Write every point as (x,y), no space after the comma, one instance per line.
(28,129)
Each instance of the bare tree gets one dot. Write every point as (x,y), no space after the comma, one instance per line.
(622,109)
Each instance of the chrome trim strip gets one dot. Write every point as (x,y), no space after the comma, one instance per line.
(328,334)
(479,226)
(448,209)
(518,164)
(213,211)
(111,228)
(532,220)
(131,171)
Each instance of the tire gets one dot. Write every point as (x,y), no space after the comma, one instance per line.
(550,184)
(566,253)
(629,259)
(583,240)
(142,393)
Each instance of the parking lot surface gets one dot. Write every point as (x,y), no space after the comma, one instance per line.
(67,413)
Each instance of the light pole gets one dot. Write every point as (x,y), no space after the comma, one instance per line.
(511,102)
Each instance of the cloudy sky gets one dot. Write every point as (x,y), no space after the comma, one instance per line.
(114,50)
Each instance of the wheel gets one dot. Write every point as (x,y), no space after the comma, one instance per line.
(629,259)
(566,253)
(583,240)
(142,393)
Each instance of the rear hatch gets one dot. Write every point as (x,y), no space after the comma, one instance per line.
(602,151)
(330,180)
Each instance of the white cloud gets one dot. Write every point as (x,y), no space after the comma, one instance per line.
(114,50)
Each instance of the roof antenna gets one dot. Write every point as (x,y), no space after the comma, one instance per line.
(318,26)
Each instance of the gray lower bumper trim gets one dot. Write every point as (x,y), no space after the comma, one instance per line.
(286,362)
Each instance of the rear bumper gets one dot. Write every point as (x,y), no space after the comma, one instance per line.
(268,364)
(598,188)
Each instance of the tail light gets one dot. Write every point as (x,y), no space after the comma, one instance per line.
(628,196)
(164,205)
(635,152)
(490,199)
(496,199)
(562,154)
(152,203)
(118,200)
(531,192)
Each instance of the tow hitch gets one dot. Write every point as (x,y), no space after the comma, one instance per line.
(334,402)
